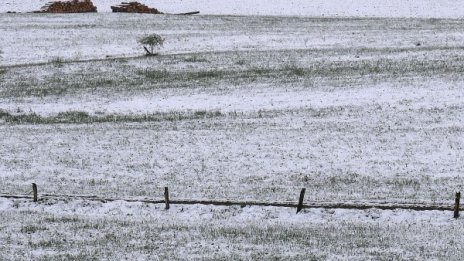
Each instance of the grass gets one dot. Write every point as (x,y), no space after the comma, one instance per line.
(28,229)
(112,78)
(81,117)
(334,160)
(370,118)
(57,61)
(154,74)
(221,233)
(294,70)
(195,59)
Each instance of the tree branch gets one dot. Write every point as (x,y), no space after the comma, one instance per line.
(146,50)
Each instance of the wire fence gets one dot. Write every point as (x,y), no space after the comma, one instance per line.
(298,205)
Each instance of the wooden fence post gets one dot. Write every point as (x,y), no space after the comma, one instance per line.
(34,191)
(456,204)
(300,201)
(166,197)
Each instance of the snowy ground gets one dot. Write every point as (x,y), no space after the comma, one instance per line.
(237,108)
(80,230)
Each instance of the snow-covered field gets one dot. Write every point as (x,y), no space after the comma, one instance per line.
(235,107)
(80,230)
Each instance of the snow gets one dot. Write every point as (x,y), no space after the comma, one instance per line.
(257,98)
(329,8)
(342,108)
(116,230)
(201,213)
(290,117)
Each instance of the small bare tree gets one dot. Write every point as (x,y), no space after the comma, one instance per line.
(150,42)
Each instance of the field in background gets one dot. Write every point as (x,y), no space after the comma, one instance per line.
(235,108)
(327,8)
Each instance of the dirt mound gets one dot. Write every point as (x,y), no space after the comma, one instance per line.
(74,6)
(134,7)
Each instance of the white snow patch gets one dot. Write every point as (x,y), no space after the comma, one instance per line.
(253,99)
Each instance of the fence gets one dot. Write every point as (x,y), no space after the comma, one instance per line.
(299,206)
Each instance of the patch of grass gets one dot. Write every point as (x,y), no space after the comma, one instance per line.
(205,74)
(154,74)
(103,82)
(47,243)
(33,118)
(43,92)
(195,59)
(116,78)
(200,113)
(24,118)
(4,114)
(252,73)
(240,62)
(73,116)
(295,70)
(61,219)
(84,117)
(207,114)
(210,74)
(90,225)
(72,257)
(29,229)
(57,61)
(164,75)
(261,71)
